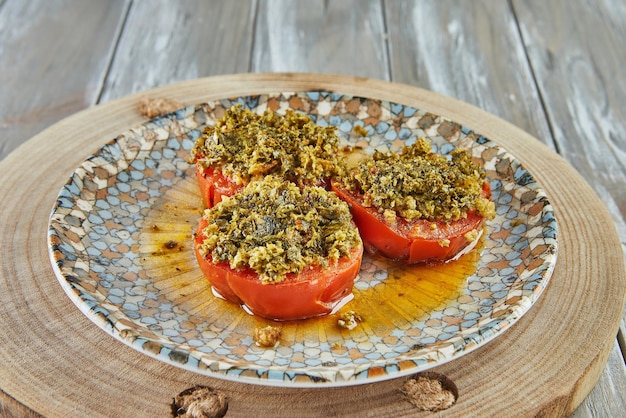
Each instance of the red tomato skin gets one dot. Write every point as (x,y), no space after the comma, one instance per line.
(214,185)
(313,292)
(409,241)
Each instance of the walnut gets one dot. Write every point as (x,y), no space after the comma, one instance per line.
(200,402)
(267,337)
(430,391)
(349,320)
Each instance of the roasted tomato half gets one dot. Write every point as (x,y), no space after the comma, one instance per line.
(412,241)
(314,292)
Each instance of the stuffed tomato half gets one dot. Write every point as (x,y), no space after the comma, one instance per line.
(412,241)
(417,206)
(281,251)
(243,147)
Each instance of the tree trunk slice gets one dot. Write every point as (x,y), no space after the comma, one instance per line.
(56,362)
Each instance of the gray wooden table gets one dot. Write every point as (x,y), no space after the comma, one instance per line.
(553,68)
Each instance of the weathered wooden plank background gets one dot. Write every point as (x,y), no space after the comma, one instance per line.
(54,59)
(555,69)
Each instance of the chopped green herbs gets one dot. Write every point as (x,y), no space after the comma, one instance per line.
(419,184)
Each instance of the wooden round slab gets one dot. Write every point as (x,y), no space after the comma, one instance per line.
(56,362)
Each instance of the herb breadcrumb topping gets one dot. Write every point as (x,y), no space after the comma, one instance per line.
(420,184)
(276,228)
(246,146)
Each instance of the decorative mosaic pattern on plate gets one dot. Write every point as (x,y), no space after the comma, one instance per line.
(120,240)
